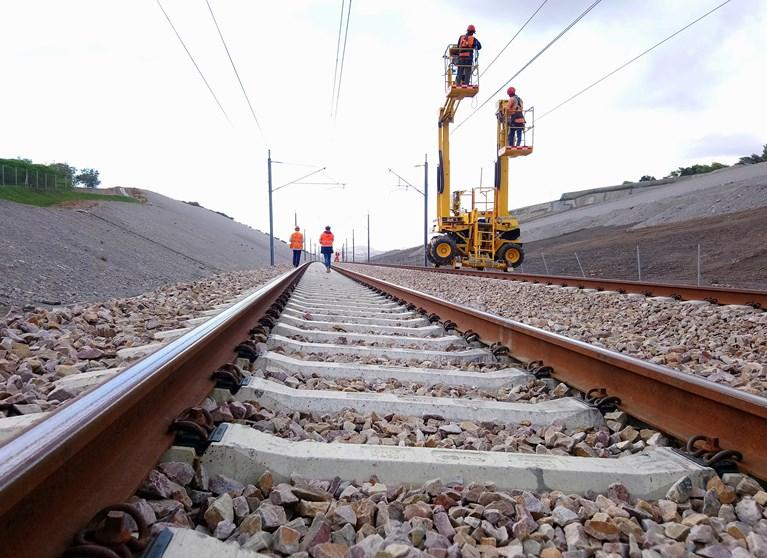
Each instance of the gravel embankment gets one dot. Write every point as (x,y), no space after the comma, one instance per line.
(727,345)
(337,519)
(41,346)
(93,251)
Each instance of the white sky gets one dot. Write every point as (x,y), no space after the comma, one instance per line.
(105,83)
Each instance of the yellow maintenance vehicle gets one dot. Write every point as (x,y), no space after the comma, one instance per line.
(474,225)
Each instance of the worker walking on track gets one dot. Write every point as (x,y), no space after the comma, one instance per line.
(297,245)
(467,44)
(515,118)
(326,247)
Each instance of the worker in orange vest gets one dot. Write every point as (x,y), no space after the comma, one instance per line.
(297,245)
(467,44)
(338,257)
(326,246)
(515,117)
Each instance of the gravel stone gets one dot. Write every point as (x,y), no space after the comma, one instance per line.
(43,345)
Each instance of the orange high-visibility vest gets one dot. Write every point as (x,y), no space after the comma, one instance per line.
(296,241)
(326,239)
(466,41)
(514,112)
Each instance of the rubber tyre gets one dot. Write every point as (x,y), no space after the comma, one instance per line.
(442,250)
(511,254)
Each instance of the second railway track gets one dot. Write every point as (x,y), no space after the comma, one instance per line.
(679,291)
(342,388)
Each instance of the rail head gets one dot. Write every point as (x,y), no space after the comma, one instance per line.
(680,404)
(113,434)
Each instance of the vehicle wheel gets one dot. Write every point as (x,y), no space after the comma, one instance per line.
(511,254)
(442,250)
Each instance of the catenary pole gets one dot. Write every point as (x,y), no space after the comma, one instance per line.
(425,208)
(271,221)
(368,237)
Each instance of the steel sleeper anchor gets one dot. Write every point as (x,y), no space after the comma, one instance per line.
(194,428)
(599,398)
(539,370)
(707,451)
(229,376)
(108,536)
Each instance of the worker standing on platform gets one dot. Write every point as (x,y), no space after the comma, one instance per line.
(326,246)
(515,117)
(297,245)
(467,44)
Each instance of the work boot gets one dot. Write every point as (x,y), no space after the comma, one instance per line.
(327,269)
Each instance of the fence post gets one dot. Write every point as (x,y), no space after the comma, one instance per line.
(698,265)
(579,264)
(545,265)
(3,173)
(639,265)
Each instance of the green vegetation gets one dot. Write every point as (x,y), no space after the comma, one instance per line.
(89,178)
(698,169)
(56,176)
(20,194)
(23,172)
(754,158)
(702,169)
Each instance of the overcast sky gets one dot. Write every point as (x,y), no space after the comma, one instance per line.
(106,84)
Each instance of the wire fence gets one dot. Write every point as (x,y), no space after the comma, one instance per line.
(34,179)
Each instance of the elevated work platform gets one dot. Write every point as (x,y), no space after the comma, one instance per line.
(462,91)
(518,151)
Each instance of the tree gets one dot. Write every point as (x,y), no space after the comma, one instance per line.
(647,178)
(89,178)
(754,158)
(64,170)
(697,169)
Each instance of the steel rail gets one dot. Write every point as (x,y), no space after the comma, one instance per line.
(678,404)
(719,295)
(96,450)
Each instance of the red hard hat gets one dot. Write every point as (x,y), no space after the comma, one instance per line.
(471,29)
(511,91)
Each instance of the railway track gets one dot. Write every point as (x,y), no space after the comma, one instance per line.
(410,389)
(715,295)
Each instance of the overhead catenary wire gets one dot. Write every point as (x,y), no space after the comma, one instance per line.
(343,59)
(199,71)
(234,67)
(529,19)
(298,179)
(529,62)
(338,49)
(637,57)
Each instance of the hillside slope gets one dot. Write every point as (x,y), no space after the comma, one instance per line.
(723,211)
(96,250)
